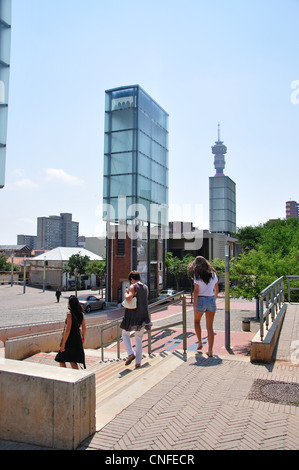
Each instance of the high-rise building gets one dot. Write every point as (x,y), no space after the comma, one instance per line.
(135,187)
(56,231)
(222,193)
(292,209)
(29,240)
(5,36)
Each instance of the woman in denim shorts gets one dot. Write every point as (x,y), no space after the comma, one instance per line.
(204,300)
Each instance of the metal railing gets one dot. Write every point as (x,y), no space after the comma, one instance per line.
(291,279)
(270,302)
(154,307)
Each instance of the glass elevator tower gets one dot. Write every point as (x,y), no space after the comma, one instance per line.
(5,35)
(135,193)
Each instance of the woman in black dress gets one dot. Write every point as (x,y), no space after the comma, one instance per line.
(135,319)
(71,348)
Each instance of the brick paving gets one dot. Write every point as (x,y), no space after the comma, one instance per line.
(206,403)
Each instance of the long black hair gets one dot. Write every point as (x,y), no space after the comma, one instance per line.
(76,309)
(200,268)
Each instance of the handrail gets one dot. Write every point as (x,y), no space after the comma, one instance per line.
(176,298)
(291,278)
(270,298)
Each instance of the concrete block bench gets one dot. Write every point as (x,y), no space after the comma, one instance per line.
(46,406)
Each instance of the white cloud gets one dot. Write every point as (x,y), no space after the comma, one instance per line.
(55,174)
(25,183)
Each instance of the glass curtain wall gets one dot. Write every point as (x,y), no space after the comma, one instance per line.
(136,172)
(135,155)
(5,37)
(222,205)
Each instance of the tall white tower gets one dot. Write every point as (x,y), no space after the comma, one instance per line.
(222,193)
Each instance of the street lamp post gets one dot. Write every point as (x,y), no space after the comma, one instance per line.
(227,300)
(44,275)
(24,280)
(11,276)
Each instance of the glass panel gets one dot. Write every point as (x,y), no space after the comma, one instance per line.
(5,44)
(144,187)
(159,174)
(121,120)
(122,141)
(121,185)
(144,165)
(144,144)
(217,193)
(4,82)
(5,11)
(160,135)
(118,163)
(159,154)
(145,123)
(2,166)
(3,124)
(159,194)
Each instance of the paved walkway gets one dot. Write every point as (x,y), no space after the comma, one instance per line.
(224,402)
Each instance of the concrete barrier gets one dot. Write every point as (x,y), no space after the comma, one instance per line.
(7,332)
(21,347)
(262,351)
(46,406)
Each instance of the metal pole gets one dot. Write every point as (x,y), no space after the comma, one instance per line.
(44,275)
(118,339)
(24,280)
(11,277)
(227,300)
(184,327)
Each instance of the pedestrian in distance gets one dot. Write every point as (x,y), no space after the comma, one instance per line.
(204,299)
(58,294)
(136,319)
(71,348)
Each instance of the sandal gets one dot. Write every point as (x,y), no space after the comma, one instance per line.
(129,360)
(210,353)
(199,346)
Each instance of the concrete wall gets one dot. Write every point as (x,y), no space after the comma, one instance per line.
(262,351)
(21,347)
(7,332)
(46,406)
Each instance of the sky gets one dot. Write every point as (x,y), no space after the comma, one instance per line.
(229,61)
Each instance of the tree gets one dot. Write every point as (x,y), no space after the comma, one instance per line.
(76,266)
(274,253)
(5,265)
(249,237)
(98,268)
(177,267)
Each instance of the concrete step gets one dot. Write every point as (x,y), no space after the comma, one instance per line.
(116,378)
(130,383)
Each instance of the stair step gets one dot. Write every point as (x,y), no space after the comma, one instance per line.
(119,378)
(123,392)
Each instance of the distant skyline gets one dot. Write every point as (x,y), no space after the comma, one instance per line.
(233,62)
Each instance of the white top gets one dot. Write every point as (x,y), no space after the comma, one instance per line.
(206,290)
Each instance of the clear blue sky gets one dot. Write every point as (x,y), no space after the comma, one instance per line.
(232,61)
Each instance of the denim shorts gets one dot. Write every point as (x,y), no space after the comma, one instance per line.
(206,304)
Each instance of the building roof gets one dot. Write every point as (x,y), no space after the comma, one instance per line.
(14,248)
(64,254)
